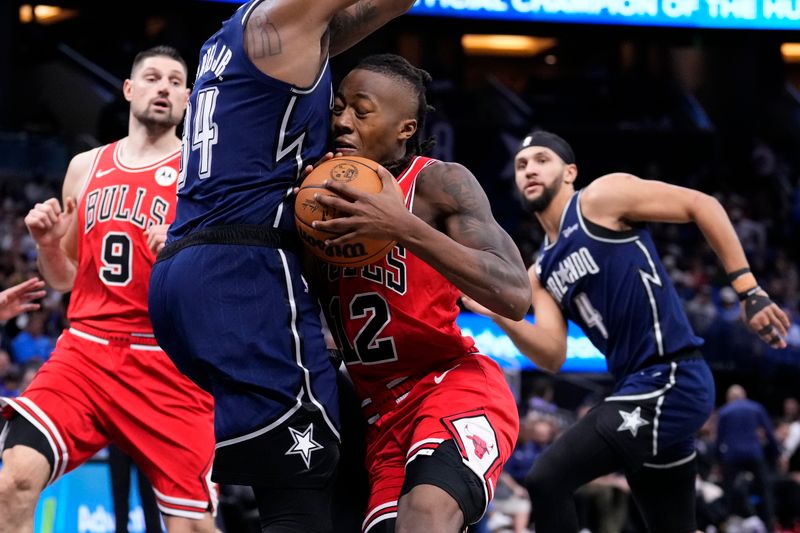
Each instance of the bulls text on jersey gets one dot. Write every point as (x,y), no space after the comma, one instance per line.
(115,203)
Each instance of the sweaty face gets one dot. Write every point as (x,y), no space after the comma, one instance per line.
(373,115)
(157,92)
(539,174)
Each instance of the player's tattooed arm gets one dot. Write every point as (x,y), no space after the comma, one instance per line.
(262,38)
(479,258)
(351,25)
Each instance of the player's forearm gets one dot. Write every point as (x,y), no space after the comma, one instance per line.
(56,268)
(485,276)
(713,221)
(547,351)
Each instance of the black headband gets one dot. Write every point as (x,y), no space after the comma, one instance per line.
(551,141)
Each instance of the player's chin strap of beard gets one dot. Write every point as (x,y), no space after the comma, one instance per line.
(754,300)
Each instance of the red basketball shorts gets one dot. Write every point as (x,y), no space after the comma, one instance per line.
(469,402)
(99,387)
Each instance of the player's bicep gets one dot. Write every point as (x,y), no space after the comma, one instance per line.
(466,213)
(74,181)
(631,198)
(352,24)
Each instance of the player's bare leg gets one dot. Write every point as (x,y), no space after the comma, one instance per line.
(178,524)
(428,508)
(23,477)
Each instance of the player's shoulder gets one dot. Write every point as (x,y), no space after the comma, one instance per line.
(439,175)
(78,170)
(84,159)
(605,189)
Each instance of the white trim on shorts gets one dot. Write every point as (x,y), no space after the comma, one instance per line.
(27,409)
(367,525)
(679,462)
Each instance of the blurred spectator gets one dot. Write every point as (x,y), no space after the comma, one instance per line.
(787,485)
(701,310)
(9,375)
(535,435)
(32,343)
(540,404)
(791,410)
(741,425)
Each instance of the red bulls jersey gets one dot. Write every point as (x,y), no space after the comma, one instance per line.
(115,207)
(394,319)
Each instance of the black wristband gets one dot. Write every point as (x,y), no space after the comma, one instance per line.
(749,292)
(737,273)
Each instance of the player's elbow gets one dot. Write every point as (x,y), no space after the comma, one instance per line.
(552,363)
(514,302)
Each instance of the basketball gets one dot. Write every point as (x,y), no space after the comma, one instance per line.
(359,173)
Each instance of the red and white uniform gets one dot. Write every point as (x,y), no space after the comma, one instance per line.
(421,382)
(107,380)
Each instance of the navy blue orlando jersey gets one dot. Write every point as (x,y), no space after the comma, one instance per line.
(614,286)
(246,137)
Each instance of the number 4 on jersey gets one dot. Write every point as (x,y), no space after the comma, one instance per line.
(200,132)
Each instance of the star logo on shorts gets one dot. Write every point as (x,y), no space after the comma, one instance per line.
(632,421)
(304,444)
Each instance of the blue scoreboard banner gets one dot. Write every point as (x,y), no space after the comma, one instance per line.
(741,14)
(582,356)
(731,14)
(80,502)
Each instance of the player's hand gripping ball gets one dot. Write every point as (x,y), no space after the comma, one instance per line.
(357,172)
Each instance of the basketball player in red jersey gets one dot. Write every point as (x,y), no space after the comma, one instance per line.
(441,418)
(107,380)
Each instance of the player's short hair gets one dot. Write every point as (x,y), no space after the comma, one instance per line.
(416,80)
(158,51)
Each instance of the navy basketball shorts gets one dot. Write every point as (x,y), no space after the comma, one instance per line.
(240,322)
(654,414)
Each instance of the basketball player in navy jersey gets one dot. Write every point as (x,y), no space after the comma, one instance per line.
(227,299)
(599,268)
(441,419)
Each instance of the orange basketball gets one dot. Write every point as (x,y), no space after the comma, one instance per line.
(359,173)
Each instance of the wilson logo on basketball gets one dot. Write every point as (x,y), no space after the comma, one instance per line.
(349,250)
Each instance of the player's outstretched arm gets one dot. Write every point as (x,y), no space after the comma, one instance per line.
(472,251)
(616,199)
(545,341)
(19,298)
(351,25)
(53,226)
(290,39)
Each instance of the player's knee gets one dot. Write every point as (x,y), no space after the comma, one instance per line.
(429,507)
(177,524)
(21,484)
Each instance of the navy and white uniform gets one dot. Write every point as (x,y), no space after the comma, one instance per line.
(614,286)
(227,299)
